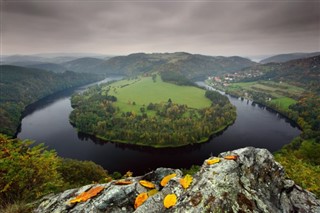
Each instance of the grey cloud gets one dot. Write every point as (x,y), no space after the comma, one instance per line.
(216,28)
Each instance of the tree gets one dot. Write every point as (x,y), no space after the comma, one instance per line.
(26,172)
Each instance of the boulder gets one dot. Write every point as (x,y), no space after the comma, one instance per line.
(252,182)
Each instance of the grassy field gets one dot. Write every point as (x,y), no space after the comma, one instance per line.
(274,88)
(283,94)
(144,90)
(284,102)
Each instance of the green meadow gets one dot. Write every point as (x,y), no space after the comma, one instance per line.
(137,93)
(283,94)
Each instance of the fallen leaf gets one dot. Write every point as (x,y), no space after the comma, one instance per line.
(186,181)
(231,157)
(84,196)
(152,192)
(140,199)
(123,182)
(213,161)
(167,178)
(170,200)
(147,184)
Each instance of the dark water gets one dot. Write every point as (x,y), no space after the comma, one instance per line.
(47,122)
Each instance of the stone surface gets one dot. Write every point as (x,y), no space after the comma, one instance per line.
(253,182)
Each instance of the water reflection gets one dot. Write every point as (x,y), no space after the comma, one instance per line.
(48,121)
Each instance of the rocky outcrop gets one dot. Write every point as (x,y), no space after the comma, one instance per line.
(254,182)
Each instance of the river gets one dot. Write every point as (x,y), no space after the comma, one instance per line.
(47,121)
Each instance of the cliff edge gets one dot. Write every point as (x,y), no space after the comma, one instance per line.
(250,180)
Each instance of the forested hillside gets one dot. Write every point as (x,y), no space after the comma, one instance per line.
(302,72)
(21,86)
(192,66)
(288,57)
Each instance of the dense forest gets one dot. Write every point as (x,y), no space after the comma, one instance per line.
(22,86)
(157,124)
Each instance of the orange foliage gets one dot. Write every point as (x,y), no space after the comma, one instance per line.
(147,184)
(140,199)
(123,182)
(167,178)
(84,196)
(231,157)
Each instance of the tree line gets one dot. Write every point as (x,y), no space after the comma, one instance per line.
(158,124)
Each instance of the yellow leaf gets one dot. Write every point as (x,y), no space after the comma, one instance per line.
(147,184)
(152,192)
(186,181)
(140,199)
(170,200)
(167,178)
(128,174)
(123,182)
(84,196)
(231,157)
(213,161)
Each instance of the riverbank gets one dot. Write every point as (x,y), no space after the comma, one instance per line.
(22,86)
(139,144)
(302,153)
(266,96)
(48,122)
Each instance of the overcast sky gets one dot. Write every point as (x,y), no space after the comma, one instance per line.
(121,27)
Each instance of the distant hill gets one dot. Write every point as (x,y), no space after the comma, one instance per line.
(22,58)
(87,64)
(57,58)
(191,66)
(49,67)
(288,57)
(302,72)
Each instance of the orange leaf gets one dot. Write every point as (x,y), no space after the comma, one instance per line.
(186,181)
(84,196)
(213,161)
(231,157)
(170,200)
(147,184)
(123,182)
(140,199)
(167,178)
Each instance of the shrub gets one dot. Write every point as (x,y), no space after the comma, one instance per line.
(26,172)
(78,173)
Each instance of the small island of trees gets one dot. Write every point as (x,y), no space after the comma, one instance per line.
(147,111)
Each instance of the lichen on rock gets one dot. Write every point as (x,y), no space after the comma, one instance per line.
(251,182)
